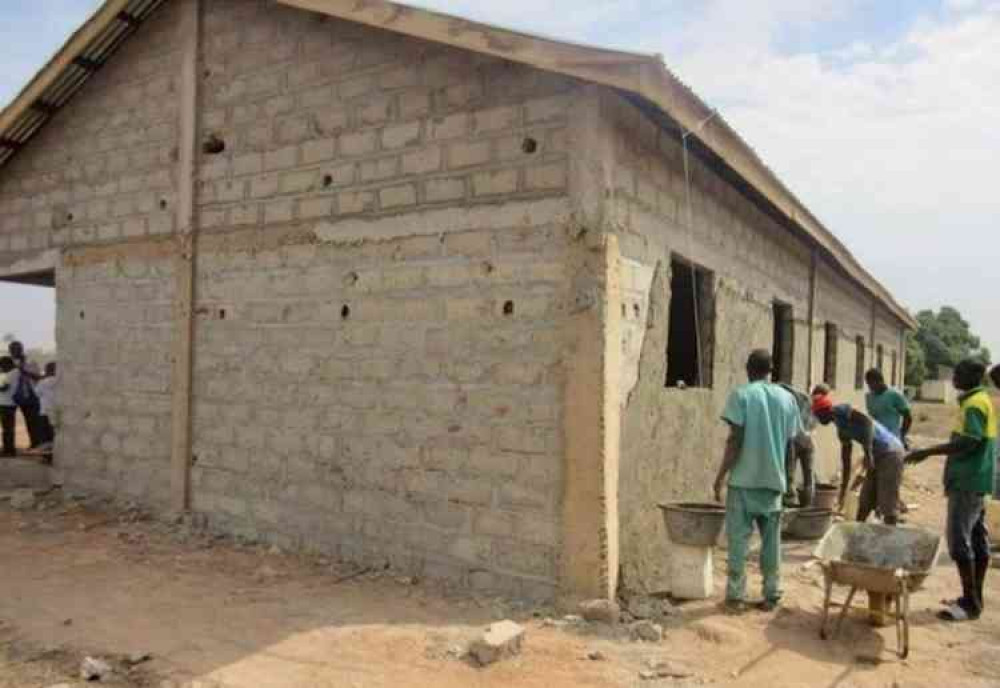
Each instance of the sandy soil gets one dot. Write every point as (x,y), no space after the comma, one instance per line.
(79,579)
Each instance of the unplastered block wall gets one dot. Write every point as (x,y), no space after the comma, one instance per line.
(672,440)
(382,282)
(102,170)
(114,327)
(101,174)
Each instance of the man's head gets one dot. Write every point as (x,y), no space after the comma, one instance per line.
(822,408)
(50,369)
(820,390)
(968,375)
(759,364)
(876,381)
(16,349)
(6,364)
(995,375)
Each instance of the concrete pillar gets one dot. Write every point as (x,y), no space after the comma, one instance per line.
(589,565)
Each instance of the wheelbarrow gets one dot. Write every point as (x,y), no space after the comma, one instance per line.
(892,561)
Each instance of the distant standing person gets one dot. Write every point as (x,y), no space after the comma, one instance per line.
(803,452)
(24,395)
(46,389)
(968,478)
(763,420)
(995,376)
(888,406)
(8,409)
(883,458)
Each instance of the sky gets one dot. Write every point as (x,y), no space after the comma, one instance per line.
(880,115)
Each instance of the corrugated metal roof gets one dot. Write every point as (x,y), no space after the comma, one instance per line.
(70,79)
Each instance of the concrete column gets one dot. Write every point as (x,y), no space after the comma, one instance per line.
(184,259)
(589,566)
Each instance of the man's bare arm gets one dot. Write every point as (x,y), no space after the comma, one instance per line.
(729,458)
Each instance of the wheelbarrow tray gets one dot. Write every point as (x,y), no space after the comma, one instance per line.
(874,557)
(887,560)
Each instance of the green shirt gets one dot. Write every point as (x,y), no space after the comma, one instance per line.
(770,419)
(973,470)
(888,408)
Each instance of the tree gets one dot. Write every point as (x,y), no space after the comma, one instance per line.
(916,362)
(943,339)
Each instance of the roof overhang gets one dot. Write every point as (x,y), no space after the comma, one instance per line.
(644,77)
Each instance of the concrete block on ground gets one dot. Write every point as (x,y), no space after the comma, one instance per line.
(503,639)
(690,572)
(601,611)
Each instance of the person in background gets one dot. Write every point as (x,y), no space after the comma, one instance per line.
(763,420)
(8,409)
(883,458)
(968,477)
(995,377)
(888,406)
(803,452)
(24,393)
(46,389)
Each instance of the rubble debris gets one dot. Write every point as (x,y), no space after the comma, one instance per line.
(573,619)
(137,658)
(646,631)
(596,656)
(93,669)
(664,668)
(601,611)
(23,499)
(501,640)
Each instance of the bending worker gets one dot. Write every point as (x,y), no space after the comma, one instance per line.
(803,453)
(883,458)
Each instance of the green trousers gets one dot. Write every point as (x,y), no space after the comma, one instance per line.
(746,508)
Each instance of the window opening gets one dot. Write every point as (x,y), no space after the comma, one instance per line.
(859,363)
(784,343)
(690,340)
(830,357)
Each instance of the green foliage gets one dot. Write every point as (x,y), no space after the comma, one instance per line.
(942,339)
(916,362)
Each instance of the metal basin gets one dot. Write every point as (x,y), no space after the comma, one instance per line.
(826,496)
(694,524)
(809,524)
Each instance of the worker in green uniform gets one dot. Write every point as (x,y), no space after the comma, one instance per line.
(763,420)
(968,478)
(888,406)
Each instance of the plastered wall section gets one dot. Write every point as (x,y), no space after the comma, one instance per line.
(672,440)
(99,174)
(382,283)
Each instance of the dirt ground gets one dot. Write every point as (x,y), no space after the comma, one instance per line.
(80,578)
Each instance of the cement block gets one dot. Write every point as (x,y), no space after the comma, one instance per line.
(690,572)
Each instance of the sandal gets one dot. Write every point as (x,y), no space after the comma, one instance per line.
(956,613)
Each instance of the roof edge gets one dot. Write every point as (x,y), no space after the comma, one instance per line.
(75,45)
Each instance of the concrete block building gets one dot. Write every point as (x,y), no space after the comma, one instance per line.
(401,287)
